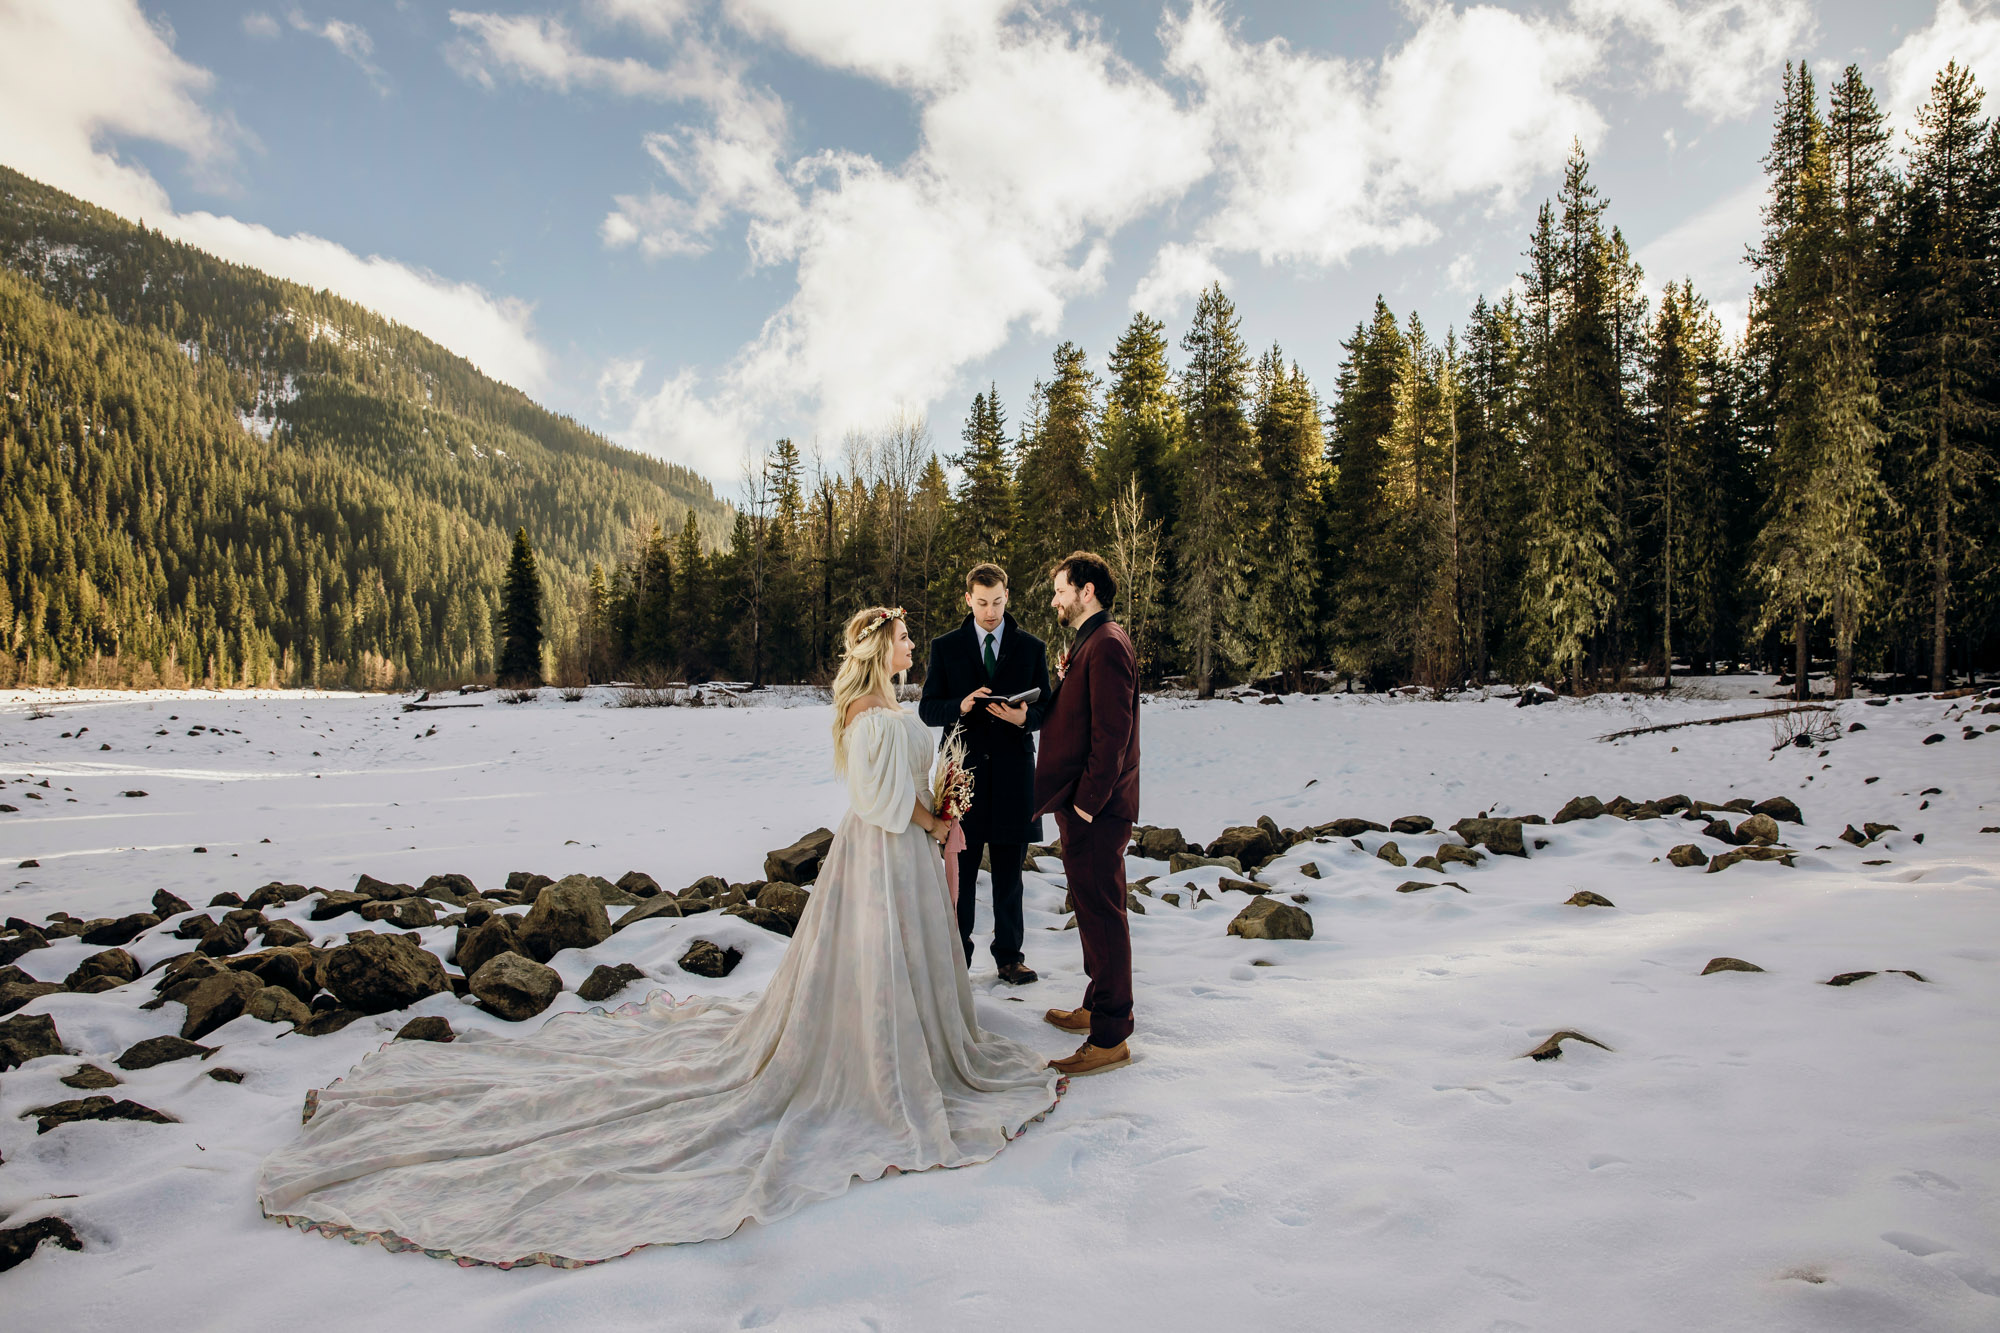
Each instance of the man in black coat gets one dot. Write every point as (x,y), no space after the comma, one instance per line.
(983,661)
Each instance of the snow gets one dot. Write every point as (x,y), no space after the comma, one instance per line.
(1342,1137)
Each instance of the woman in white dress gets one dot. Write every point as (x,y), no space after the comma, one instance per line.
(663,1122)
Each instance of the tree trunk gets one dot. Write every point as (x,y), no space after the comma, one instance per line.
(1801,658)
(1941,564)
(1843,645)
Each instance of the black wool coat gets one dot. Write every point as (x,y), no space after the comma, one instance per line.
(1000,754)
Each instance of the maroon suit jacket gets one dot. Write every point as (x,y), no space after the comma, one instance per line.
(1090,736)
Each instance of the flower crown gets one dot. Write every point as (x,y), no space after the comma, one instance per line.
(880,619)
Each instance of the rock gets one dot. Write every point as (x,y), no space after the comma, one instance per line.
(639,884)
(14,994)
(166,904)
(1249,886)
(275,1004)
(283,934)
(1419,885)
(489,939)
(22,941)
(1348,828)
(1157,844)
(1620,807)
(94,1108)
(1729,965)
(1779,808)
(121,931)
(276,894)
(427,1028)
(1783,855)
(799,863)
(610,894)
(1853,835)
(1430,863)
(1411,824)
(567,915)
(453,889)
(27,1037)
(226,1075)
(219,999)
(1585,898)
(1533,695)
(402,913)
(90,1078)
(1247,844)
(377,973)
(1310,870)
(194,927)
(515,988)
(161,1050)
(1579,807)
(381,890)
(225,937)
(1758,830)
(662,905)
(706,889)
(1270,919)
(707,959)
(1934,738)
(180,974)
(523,885)
(787,900)
(333,904)
(1391,853)
(1849,978)
(294,967)
(1501,836)
(1552,1048)
(762,917)
(606,981)
(1449,853)
(327,1021)
(1183,861)
(1673,805)
(1687,854)
(17,1243)
(1874,830)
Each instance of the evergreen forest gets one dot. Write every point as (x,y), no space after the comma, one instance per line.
(212,475)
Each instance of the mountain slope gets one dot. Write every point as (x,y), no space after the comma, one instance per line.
(210,474)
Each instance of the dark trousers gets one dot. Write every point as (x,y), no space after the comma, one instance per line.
(1094,860)
(1007,928)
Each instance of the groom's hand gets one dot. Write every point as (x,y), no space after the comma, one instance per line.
(1018,714)
(965,705)
(1080,815)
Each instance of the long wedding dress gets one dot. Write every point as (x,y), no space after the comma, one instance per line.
(662,1122)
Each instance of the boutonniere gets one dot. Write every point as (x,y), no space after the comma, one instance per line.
(1062,663)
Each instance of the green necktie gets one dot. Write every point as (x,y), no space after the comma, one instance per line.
(989,655)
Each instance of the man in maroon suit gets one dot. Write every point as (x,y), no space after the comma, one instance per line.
(1087,775)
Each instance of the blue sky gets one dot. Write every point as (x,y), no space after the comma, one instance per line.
(701,224)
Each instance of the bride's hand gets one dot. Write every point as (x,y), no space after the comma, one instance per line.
(940,830)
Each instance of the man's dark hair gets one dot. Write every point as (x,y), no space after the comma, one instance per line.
(986,575)
(1083,567)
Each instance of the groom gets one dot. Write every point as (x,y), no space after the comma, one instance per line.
(1088,776)
(972,671)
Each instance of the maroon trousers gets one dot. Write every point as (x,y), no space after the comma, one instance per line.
(1093,856)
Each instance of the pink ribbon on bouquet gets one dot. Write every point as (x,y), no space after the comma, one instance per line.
(954,843)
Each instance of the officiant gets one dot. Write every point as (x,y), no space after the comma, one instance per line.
(972,671)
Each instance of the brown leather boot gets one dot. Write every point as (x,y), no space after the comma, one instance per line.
(1069,1020)
(1093,1060)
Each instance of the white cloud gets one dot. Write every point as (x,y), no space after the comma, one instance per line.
(914,44)
(660,18)
(538,49)
(77,77)
(708,430)
(1320,157)
(1708,247)
(1718,53)
(350,39)
(259,24)
(1969,34)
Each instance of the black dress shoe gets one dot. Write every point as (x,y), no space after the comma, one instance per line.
(1018,974)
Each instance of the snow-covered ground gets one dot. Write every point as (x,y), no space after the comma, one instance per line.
(1331,1134)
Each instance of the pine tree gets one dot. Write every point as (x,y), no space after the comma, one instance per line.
(692,616)
(1217,472)
(985,513)
(1291,452)
(655,648)
(1055,484)
(1141,418)
(1360,562)
(1945,328)
(1492,498)
(521,617)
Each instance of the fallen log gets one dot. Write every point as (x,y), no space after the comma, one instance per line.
(1717,721)
(432,708)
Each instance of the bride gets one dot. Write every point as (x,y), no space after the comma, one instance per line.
(666,1122)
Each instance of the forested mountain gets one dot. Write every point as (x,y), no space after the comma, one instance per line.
(211,475)
(1579,483)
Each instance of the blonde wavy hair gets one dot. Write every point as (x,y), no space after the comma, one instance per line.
(868,644)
